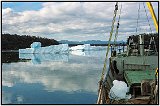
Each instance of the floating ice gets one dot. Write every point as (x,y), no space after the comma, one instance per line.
(81,47)
(119,90)
(93,51)
(78,47)
(86,47)
(36,45)
(62,48)
(27,50)
(78,52)
(36,48)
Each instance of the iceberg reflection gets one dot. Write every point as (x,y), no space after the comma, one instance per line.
(38,58)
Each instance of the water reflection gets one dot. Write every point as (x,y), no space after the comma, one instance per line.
(39,58)
(76,80)
(7,98)
(52,75)
(8,57)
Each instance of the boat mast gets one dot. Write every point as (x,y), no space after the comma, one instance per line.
(141,38)
(150,7)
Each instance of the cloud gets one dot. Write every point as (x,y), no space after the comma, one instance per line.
(75,20)
(6,11)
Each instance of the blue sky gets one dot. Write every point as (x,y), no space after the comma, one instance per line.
(22,6)
(77,21)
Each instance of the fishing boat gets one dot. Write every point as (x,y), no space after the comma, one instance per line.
(132,75)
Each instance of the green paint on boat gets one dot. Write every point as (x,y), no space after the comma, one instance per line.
(135,77)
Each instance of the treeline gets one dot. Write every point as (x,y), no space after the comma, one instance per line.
(147,38)
(15,42)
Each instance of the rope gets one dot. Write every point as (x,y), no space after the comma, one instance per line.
(147,18)
(138,17)
(116,34)
(149,28)
(112,28)
(137,29)
(101,86)
(155,46)
(153,40)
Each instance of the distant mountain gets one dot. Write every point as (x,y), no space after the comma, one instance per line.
(69,42)
(88,42)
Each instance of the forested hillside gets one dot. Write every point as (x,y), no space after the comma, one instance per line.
(15,42)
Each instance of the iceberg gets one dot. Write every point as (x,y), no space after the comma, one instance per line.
(81,47)
(89,53)
(36,48)
(78,47)
(27,50)
(78,52)
(86,47)
(61,48)
(36,45)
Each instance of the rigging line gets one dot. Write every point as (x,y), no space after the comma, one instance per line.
(155,46)
(105,62)
(138,18)
(149,28)
(112,28)
(147,17)
(116,34)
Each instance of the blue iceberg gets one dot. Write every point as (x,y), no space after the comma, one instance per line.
(36,48)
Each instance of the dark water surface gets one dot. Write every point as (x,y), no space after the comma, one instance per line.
(51,78)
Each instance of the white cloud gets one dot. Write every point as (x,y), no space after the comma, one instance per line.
(74,20)
(6,11)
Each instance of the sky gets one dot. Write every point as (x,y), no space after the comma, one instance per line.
(75,21)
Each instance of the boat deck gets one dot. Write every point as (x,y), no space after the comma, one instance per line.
(135,77)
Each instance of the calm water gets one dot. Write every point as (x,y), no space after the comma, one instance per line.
(51,78)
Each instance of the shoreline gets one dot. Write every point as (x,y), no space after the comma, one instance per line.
(8,51)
